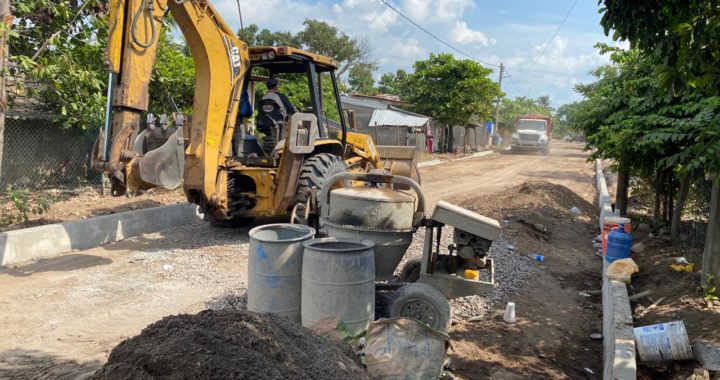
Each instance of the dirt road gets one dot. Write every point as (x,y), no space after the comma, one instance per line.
(61,317)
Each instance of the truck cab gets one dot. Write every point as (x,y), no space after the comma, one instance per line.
(532,134)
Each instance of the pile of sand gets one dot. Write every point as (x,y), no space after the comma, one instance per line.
(230,344)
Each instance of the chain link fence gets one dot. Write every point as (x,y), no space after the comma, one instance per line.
(39,154)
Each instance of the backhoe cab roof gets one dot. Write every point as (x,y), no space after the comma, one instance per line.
(285,59)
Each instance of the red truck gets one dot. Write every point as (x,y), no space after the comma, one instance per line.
(532,132)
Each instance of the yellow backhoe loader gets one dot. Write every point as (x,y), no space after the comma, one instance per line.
(225,169)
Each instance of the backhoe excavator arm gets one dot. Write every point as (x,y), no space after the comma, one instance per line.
(221,61)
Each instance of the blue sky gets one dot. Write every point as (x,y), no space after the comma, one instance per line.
(517,33)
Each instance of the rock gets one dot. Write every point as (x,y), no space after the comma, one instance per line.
(168,268)
(454,322)
(708,354)
(575,211)
(637,248)
(596,336)
(643,227)
(476,318)
(700,374)
(133,207)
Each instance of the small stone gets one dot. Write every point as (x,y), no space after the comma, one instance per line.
(596,336)
(638,247)
(643,227)
(168,268)
(700,374)
(707,353)
(453,322)
(133,207)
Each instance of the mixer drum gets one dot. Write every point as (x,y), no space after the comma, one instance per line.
(382,215)
(375,208)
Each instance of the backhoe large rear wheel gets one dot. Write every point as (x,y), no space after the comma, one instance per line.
(314,173)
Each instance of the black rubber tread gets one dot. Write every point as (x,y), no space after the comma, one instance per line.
(429,296)
(315,171)
(410,271)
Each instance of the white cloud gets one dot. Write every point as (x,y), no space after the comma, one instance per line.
(464,35)
(409,49)
(380,21)
(436,11)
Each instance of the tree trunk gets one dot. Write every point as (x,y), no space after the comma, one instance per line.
(711,255)
(621,193)
(677,212)
(658,197)
(671,194)
(4,10)
(450,140)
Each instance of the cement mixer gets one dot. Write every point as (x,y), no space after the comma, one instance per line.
(389,217)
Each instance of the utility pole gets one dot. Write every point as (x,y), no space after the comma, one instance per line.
(496,126)
(4,14)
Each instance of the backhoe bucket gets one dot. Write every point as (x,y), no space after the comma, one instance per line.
(163,166)
(400,161)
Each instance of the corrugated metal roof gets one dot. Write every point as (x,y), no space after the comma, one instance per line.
(397,118)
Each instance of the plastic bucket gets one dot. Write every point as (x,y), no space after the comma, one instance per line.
(663,342)
(610,223)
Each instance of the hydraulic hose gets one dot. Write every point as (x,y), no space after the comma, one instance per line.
(150,8)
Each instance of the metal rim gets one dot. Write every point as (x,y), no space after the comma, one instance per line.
(421,310)
(360,245)
(309,232)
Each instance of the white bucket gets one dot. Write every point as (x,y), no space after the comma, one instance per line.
(663,342)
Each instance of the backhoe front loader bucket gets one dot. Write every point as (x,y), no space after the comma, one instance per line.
(400,160)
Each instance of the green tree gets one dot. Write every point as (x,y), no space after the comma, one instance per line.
(392,83)
(323,38)
(59,48)
(360,79)
(450,90)
(683,36)
(511,109)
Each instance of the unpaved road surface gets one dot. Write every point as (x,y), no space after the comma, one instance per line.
(61,317)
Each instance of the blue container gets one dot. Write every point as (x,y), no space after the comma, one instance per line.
(619,244)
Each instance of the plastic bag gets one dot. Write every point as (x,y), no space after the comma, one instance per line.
(404,349)
(622,270)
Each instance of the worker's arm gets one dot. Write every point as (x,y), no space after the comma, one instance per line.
(221,61)
(289,107)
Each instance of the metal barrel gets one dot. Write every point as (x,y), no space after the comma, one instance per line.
(275,262)
(338,279)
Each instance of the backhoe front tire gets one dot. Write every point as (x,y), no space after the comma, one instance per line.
(315,171)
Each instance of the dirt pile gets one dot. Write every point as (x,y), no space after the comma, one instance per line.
(229,344)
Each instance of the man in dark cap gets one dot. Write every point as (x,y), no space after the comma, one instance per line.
(281,99)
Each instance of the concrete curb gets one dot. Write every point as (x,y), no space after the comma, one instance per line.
(438,162)
(54,239)
(618,339)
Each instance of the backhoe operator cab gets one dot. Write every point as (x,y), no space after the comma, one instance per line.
(302,149)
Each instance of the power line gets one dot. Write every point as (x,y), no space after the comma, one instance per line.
(434,36)
(513,83)
(557,31)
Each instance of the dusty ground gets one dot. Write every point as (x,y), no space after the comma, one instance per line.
(61,317)
(87,202)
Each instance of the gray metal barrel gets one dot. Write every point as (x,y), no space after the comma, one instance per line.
(338,279)
(274,268)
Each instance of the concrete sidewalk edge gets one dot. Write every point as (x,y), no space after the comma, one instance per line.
(618,340)
(54,239)
(438,162)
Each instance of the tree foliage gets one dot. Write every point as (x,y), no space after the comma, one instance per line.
(452,91)
(391,83)
(511,109)
(57,48)
(682,35)
(360,79)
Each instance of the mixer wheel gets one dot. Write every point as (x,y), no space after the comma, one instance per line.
(410,271)
(424,303)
